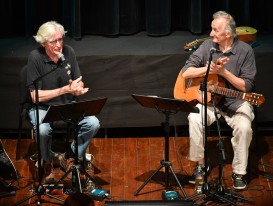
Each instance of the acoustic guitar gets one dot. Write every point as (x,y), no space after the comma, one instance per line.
(244,33)
(188,89)
(8,170)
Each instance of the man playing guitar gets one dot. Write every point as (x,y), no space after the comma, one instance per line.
(233,61)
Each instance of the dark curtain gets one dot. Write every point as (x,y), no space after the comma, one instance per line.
(38,12)
(158,17)
(71,15)
(100,17)
(199,21)
(127,17)
(131,16)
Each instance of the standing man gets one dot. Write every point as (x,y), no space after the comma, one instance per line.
(234,62)
(62,86)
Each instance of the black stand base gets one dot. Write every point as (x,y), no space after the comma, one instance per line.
(267,175)
(40,190)
(167,165)
(167,107)
(7,194)
(6,189)
(72,114)
(217,193)
(76,170)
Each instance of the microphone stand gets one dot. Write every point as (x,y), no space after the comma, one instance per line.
(204,89)
(40,190)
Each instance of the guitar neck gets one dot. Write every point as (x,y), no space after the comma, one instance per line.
(194,43)
(203,39)
(228,92)
(252,98)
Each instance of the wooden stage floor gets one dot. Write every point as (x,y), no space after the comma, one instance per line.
(123,164)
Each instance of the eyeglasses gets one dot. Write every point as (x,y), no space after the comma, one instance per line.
(60,40)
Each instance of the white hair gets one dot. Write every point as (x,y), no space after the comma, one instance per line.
(231,24)
(48,30)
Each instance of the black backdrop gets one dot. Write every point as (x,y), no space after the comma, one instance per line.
(126,47)
(125,17)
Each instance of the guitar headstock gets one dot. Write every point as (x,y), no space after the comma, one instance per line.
(194,44)
(254,98)
(191,46)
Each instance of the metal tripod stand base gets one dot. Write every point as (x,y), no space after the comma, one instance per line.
(167,165)
(76,170)
(219,195)
(167,107)
(40,190)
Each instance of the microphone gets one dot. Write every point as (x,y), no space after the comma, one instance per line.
(213,50)
(64,63)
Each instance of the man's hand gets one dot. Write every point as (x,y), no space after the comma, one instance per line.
(217,67)
(77,87)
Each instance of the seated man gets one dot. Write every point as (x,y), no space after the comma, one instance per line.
(234,62)
(59,87)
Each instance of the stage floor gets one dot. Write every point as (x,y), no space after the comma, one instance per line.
(123,164)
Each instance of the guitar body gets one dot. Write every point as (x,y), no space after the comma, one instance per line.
(246,33)
(189,89)
(8,170)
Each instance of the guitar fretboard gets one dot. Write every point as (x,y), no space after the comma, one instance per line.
(253,98)
(228,92)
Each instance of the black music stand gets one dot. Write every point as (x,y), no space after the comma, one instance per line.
(167,107)
(73,113)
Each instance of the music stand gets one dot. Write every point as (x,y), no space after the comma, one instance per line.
(73,113)
(167,107)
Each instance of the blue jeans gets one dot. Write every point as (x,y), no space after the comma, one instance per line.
(88,128)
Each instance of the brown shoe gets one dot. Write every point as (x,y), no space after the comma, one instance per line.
(49,175)
(66,164)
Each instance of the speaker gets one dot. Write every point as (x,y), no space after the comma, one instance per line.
(151,202)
